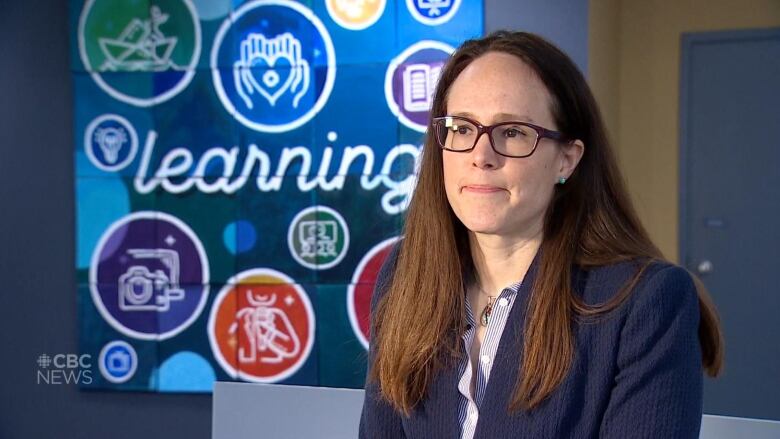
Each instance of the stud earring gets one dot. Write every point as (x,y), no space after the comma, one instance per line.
(562,180)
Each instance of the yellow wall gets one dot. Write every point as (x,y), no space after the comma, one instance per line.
(634,70)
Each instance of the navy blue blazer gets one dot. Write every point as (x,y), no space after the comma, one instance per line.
(635,374)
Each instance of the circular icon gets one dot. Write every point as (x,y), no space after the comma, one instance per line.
(273,65)
(110,142)
(149,276)
(410,81)
(361,289)
(355,15)
(118,361)
(120,40)
(261,326)
(433,12)
(318,237)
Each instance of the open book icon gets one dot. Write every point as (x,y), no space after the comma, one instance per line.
(419,83)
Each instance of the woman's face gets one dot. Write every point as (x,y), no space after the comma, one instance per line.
(490,193)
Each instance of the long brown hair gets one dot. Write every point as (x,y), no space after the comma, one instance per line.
(590,222)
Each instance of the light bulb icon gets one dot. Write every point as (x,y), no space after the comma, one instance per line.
(110,140)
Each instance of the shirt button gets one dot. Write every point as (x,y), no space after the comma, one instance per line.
(485,359)
(503,301)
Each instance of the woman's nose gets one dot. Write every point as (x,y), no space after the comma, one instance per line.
(483,156)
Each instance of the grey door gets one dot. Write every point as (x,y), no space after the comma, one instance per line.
(730,206)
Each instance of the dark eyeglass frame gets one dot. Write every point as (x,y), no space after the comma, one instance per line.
(541,133)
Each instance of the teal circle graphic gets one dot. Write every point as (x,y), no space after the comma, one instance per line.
(100,202)
(213,9)
(185,371)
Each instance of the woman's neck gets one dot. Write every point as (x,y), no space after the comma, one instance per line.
(501,261)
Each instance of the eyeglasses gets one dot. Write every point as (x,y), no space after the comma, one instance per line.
(514,139)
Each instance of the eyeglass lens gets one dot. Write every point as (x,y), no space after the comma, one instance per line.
(461,135)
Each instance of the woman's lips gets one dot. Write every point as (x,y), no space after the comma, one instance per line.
(481,189)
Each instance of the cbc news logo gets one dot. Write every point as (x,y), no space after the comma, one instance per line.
(64,369)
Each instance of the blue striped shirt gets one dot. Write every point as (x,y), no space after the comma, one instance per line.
(468,403)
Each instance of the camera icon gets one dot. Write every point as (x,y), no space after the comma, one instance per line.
(143,288)
(118,361)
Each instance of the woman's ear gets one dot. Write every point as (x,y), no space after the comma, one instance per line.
(571,153)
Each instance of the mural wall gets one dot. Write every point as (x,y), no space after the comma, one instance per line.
(242,169)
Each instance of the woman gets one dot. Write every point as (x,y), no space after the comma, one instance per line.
(526,299)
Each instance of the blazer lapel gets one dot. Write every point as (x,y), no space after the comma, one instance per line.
(503,375)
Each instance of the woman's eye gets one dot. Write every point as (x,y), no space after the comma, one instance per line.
(462,130)
(514,132)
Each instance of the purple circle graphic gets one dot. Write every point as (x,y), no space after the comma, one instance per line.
(149,275)
(411,80)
